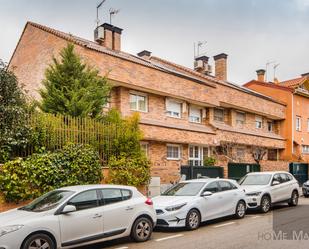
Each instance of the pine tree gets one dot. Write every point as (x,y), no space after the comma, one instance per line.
(73,88)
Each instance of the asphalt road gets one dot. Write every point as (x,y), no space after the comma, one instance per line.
(284,227)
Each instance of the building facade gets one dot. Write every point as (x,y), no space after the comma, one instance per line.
(186,115)
(295,129)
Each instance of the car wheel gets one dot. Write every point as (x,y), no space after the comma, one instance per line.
(265,204)
(294,199)
(193,219)
(39,241)
(240,210)
(142,229)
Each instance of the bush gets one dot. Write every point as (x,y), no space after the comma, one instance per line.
(27,179)
(209,161)
(134,170)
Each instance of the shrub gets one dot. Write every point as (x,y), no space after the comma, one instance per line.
(209,161)
(40,173)
(134,170)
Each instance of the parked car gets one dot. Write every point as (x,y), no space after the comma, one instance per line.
(266,188)
(191,202)
(76,216)
(306,189)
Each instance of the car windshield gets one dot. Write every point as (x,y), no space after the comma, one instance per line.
(185,189)
(48,201)
(256,179)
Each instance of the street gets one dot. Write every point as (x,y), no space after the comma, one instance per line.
(254,231)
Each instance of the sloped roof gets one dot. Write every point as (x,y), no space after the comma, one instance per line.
(294,83)
(153,62)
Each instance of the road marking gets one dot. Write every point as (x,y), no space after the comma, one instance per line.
(169,237)
(124,247)
(254,217)
(225,224)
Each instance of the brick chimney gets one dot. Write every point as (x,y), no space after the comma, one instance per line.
(201,65)
(221,66)
(144,54)
(108,36)
(261,75)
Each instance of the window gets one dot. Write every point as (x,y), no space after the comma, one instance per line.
(258,122)
(197,155)
(284,177)
(173,152)
(270,126)
(111,196)
(85,200)
(225,185)
(195,114)
(219,115)
(212,187)
(277,177)
(305,149)
(240,153)
(240,118)
(126,194)
(298,123)
(173,108)
(272,155)
(145,147)
(138,102)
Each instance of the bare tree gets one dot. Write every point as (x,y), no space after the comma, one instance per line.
(258,153)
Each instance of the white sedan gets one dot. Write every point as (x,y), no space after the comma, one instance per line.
(266,188)
(77,216)
(189,203)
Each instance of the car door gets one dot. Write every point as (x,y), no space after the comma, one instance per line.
(287,186)
(86,223)
(229,197)
(277,193)
(118,210)
(211,205)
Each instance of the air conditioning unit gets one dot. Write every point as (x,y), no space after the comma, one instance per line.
(198,64)
(99,34)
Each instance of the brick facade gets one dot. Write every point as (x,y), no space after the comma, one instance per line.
(159,82)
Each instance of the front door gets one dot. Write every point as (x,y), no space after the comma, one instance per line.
(86,223)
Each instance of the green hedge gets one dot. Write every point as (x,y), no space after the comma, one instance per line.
(27,179)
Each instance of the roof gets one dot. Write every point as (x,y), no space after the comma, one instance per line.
(153,62)
(294,83)
(267,172)
(79,188)
(268,84)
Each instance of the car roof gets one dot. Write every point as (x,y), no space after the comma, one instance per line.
(267,172)
(80,188)
(207,180)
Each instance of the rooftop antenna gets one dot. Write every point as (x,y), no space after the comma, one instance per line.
(267,65)
(111,13)
(197,47)
(275,68)
(98,7)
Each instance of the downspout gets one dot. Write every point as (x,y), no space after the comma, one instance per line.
(293,123)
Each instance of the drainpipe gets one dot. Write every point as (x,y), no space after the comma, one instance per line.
(293,123)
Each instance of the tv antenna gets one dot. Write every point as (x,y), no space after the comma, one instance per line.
(98,7)
(275,68)
(111,13)
(197,47)
(267,65)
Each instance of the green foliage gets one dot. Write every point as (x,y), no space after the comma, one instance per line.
(40,173)
(128,163)
(14,131)
(73,88)
(209,161)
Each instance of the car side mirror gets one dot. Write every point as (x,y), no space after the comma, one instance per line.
(275,183)
(68,209)
(206,193)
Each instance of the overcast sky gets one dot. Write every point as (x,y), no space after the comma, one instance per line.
(251,32)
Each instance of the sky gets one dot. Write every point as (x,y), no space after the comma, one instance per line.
(251,32)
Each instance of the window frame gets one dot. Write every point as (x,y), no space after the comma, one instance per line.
(201,155)
(179,152)
(216,118)
(298,123)
(199,109)
(170,113)
(146,144)
(258,120)
(102,202)
(138,94)
(238,121)
(79,193)
(271,159)
(213,182)
(271,123)
(303,149)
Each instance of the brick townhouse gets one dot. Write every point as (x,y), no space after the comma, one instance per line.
(186,115)
(295,129)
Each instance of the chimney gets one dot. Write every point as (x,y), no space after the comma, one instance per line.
(221,66)
(201,65)
(305,75)
(108,36)
(261,75)
(144,54)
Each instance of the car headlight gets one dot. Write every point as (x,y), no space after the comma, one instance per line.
(176,207)
(9,229)
(254,194)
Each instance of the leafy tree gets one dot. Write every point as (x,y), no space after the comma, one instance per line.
(73,88)
(14,131)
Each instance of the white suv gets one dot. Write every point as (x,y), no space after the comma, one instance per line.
(265,188)
(76,216)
